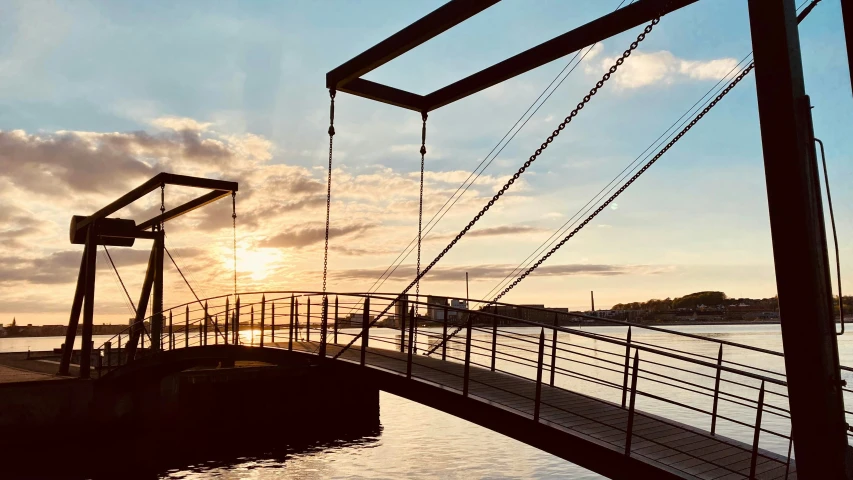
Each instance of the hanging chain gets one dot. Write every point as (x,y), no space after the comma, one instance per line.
(516,175)
(162,205)
(328,194)
(234,235)
(630,181)
(421,207)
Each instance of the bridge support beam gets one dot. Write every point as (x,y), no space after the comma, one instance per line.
(158,253)
(799,242)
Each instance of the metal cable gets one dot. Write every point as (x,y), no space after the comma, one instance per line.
(120,281)
(234,245)
(533,157)
(834,234)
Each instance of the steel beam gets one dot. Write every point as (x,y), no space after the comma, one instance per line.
(346,77)
(142,306)
(157,300)
(89,301)
(799,242)
(595,31)
(74,319)
(431,25)
(847,18)
(185,208)
(151,185)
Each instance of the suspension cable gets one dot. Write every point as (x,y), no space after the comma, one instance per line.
(120,281)
(234,240)
(328,193)
(622,175)
(421,208)
(477,172)
(215,325)
(516,175)
(834,234)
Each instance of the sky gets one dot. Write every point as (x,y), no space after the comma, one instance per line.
(97,97)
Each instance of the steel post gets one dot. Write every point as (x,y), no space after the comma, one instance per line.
(308,321)
(157,294)
(108,352)
(236,321)
(272,322)
(227,314)
(629,433)
(554,348)
(403,306)
(757,433)
(336,319)
(365,329)
(627,360)
(494,341)
(467,376)
(324,323)
(290,325)
(799,242)
(444,335)
(74,319)
(716,391)
(187,327)
(203,341)
(263,314)
(88,301)
(252,326)
(411,343)
(538,401)
(215,322)
(171,333)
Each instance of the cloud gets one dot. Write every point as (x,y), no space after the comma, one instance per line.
(662,68)
(492,231)
(180,124)
(499,271)
(303,237)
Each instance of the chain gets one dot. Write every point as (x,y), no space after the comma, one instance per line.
(328,191)
(421,204)
(234,234)
(516,175)
(630,181)
(162,205)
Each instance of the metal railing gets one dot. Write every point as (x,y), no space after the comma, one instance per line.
(739,390)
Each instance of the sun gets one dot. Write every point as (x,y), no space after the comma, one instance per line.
(257,263)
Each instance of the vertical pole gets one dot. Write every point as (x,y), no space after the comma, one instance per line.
(757,433)
(215,329)
(118,362)
(157,295)
(263,313)
(494,341)
(365,329)
(444,335)
(272,322)
(88,302)
(296,320)
(336,319)
(403,312)
(187,327)
(554,348)
(630,430)
(627,359)
(171,333)
(411,343)
(290,327)
(467,375)
(236,320)
(108,351)
(100,362)
(592,301)
(324,323)
(74,319)
(204,326)
(227,313)
(538,401)
(308,321)
(252,326)
(716,391)
(799,242)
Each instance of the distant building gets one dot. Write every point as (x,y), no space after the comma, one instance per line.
(435,307)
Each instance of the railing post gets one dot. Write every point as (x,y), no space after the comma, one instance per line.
(206,319)
(336,320)
(716,391)
(296,320)
(627,360)
(630,430)
(554,348)
(411,343)
(324,323)
(100,361)
(227,314)
(290,326)
(263,313)
(187,327)
(538,401)
(119,362)
(252,326)
(757,433)
(494,341)
(308,321)
(108,351)
(365,329)
(272,322)
(444,335)
(171,333)
(236,321)
(403,307)
(467,375)
(215,323)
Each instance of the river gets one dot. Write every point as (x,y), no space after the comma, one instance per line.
(415,441)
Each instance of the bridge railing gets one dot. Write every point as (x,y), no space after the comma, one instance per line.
(719,387)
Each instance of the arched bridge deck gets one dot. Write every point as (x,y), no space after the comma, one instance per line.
(620,441)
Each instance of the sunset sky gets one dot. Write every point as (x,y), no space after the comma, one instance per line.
(97,97)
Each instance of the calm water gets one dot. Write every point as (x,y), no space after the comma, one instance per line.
(417,442)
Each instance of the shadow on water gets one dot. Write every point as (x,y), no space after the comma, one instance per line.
(173,454)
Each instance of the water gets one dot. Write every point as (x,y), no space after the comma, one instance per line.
(418,442)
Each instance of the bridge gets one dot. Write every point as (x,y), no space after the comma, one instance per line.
(613,400)
(605,401)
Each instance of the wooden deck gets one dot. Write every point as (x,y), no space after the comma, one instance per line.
(668,446)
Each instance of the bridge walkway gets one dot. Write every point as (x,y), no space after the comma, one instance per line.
(664,444)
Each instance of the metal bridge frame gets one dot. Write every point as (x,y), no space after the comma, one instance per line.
(793,185)
(98,229)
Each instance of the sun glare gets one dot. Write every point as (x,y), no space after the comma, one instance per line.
(259,264)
